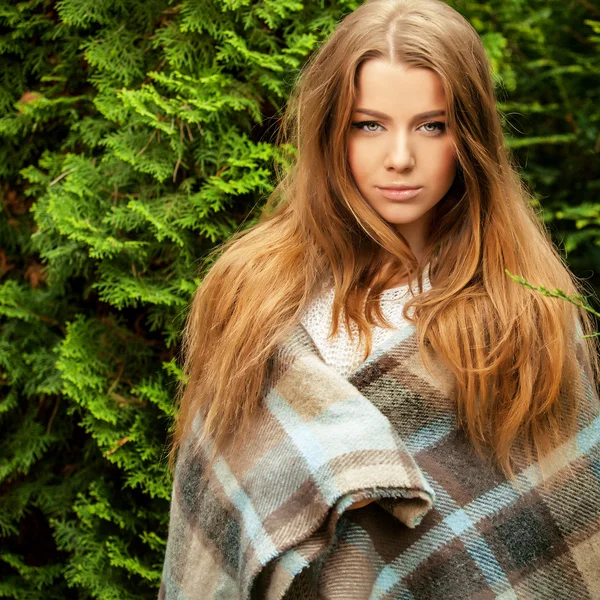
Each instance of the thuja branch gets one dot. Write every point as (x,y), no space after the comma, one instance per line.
(577,299)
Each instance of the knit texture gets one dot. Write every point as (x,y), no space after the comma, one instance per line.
(343,351)
(271,522)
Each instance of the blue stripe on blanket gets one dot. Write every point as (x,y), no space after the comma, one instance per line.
(465,519)
(261,541)
(431,434)
(461,524)
(585,440)
(588,437)
(344,426)
(293,562)
(408,562)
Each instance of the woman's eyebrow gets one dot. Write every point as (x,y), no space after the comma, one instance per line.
(380,115)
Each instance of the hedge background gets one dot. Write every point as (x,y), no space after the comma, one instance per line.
(136,135)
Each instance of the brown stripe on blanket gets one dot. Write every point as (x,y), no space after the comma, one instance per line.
(305,505)
(197,559)
(457,468)
(572,510)
(309,387)
(558,581)
(446,574)
(586,555)
(260,448)
(523,536)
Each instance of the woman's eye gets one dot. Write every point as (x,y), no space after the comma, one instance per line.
(439,126)
(371,126)
(361,125)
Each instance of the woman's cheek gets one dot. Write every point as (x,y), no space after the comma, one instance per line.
(360,159)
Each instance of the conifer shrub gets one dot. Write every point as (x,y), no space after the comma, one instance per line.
(136,136)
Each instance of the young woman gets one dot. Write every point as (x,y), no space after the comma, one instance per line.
(402,209)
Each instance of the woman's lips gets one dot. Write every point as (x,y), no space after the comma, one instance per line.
(395,194)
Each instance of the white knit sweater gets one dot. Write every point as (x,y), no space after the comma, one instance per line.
(341,352)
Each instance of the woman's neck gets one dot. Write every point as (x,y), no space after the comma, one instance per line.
(402,279)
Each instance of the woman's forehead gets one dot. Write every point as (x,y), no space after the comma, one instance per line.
(398,91)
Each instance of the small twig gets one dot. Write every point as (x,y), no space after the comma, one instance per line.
(43,318)
(147,143)
(49,427)
(176,168)
(158,68)
(579,37)
(589,6)
(121,401)
(117,445)
(114,384)
(557,293)
(189,131)
(61,176)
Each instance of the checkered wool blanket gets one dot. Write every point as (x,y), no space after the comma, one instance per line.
(272,522)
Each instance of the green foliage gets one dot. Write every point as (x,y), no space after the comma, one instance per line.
(577,299)
(546,56)
(136,136)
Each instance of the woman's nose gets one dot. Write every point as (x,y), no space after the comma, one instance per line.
(400,153)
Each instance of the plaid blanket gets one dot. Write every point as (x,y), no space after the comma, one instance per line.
(272,523)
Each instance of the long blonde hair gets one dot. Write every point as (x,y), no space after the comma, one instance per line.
(509,347)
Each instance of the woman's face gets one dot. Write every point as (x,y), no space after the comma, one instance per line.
(391,142)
